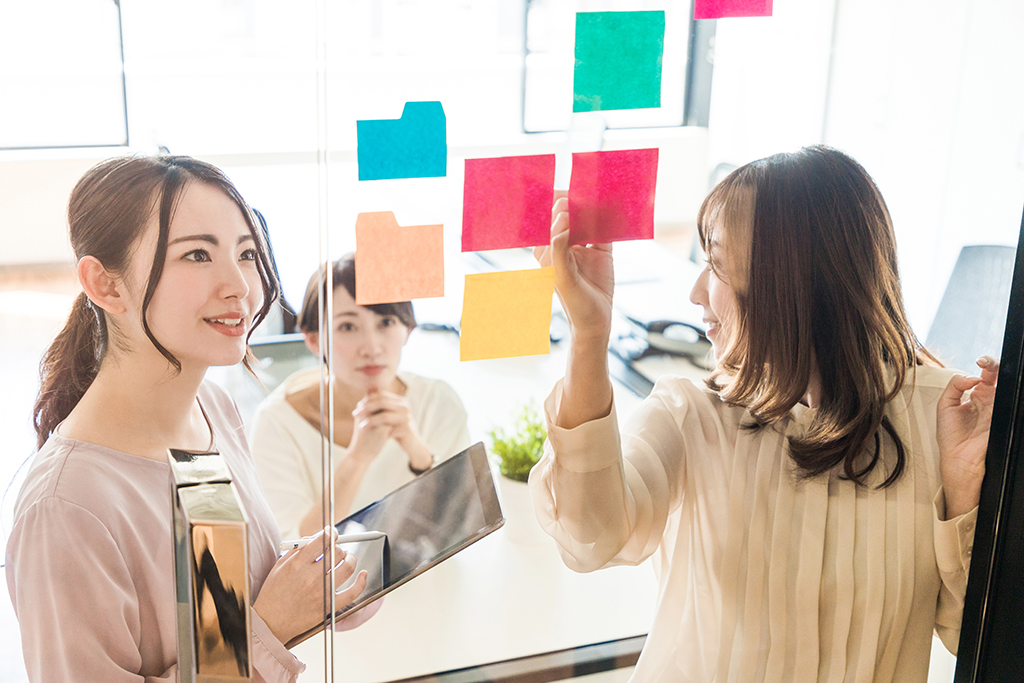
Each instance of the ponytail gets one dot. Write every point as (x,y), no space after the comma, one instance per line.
(69,367)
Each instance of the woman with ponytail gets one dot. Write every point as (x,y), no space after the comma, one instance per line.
(175,274)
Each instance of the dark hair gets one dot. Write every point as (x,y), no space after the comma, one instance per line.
(344,275)
(108,211)
(822,288)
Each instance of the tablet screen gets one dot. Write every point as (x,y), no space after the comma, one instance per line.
(427,520)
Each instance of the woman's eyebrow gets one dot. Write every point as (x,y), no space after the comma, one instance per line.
(211,239)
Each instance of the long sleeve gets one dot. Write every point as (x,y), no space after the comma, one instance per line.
(82,612)
(75,600)
(954,542)
(603,508)
(281,455)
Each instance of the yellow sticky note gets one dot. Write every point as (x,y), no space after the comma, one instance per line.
(507,314)
(397,262)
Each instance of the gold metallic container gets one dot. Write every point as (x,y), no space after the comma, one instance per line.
(211,564)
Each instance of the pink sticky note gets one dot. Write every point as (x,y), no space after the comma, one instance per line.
(611,196)
(507,202)
(718,9)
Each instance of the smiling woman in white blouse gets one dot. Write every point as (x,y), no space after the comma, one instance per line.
(812,509)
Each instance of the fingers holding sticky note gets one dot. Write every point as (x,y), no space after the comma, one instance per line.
(507,314)
(414,146)
(611,196)
(397,263)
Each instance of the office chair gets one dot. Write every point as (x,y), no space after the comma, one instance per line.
(972,314)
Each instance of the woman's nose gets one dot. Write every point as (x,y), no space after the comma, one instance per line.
(371,343)
(699,293)
(234,284)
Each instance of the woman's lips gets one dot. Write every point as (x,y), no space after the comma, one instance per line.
(371,370)
(231,327)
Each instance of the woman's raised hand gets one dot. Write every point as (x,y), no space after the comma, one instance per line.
(585,283)
(963,421)
(584,278)
(291,600)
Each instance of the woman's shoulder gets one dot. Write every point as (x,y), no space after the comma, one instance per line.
(684,393)
(68,477)
(687,400)
(282,403)
(931,376)
(924,384)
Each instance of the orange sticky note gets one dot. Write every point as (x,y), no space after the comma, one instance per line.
(397,262)
(507,314)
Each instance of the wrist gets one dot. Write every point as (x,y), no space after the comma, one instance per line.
(421,458)
(354,463)
(960,499)
(421,466)
(958,505)
(590,340)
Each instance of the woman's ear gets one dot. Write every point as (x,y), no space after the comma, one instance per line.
(101,286)
(312,340)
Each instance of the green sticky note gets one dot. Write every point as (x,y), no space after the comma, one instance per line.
(618,60)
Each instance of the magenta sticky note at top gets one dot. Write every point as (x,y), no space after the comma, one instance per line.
(507,201)
(611,196)
(720,9)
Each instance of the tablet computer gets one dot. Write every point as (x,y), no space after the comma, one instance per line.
(424,522)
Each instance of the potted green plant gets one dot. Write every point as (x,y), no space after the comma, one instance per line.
(519,451)
(516,451)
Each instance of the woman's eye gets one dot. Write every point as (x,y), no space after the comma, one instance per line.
(346,327)
(248,255)
(198,255)
(387,321)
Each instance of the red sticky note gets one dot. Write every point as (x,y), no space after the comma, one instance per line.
(507,201)
(718,9)
(611,196)
(397,262)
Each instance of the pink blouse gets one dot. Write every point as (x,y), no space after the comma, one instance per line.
(89,561)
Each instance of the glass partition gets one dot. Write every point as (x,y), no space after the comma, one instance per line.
(271,93)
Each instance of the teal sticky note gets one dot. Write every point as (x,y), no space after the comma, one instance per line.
(618,60)
(414,146)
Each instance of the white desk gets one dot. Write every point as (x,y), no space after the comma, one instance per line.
(499,599)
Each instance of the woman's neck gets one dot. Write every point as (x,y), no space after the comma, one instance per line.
(812,398)
(141,406)
(346,396)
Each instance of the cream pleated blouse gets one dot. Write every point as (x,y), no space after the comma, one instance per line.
(764,576)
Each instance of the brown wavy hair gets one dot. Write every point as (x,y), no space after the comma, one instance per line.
(822,290)
(108,211)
